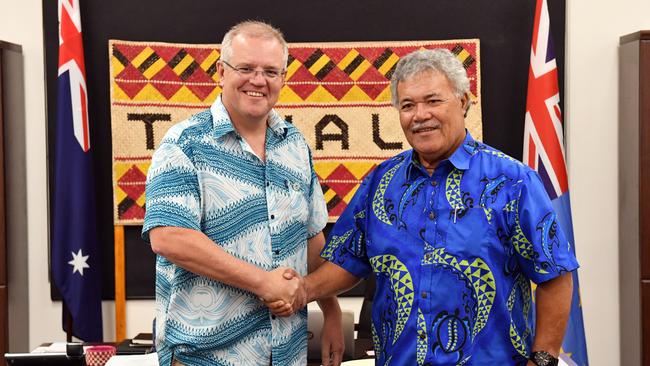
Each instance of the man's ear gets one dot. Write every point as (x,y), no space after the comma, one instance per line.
(220,71)
(466,103)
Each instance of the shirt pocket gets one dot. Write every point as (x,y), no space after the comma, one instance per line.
(298,199)
(471,229)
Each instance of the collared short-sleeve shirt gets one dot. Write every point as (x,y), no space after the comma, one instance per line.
(453,254)
(205,177)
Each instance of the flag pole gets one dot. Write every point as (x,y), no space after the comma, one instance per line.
(68,322)
(120,290)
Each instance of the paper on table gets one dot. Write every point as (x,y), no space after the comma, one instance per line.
(365,362)
(55,347)
(565,360)
(150,359)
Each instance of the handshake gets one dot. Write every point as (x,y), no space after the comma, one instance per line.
(284,291)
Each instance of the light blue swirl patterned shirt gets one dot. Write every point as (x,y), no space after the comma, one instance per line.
(453,255)
(205,177)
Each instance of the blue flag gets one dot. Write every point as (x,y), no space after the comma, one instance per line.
(544,152)
(75,251)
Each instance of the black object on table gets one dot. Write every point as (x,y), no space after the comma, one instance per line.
(74,356)
(126,347)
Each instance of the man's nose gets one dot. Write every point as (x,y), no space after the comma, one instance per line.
(421,112)
(257,78)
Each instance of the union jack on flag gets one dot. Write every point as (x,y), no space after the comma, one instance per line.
(544,152)
(543,133)
(75,251)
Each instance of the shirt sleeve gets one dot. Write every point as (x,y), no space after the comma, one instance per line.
(318,214)
(173,195)
(346,244)
(543,250)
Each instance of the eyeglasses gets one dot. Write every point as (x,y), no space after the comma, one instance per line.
(269,74)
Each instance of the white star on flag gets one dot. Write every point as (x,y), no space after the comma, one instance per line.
(79,262)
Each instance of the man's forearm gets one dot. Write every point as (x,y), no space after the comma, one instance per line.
(329,306)
(314,261)
(327,281)
(194,251)
(553,305)
(332,338)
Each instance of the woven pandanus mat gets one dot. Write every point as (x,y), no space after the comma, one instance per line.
(337,94)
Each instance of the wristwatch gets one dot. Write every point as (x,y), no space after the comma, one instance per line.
(543,358)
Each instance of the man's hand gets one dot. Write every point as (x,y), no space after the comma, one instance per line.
(276,287)
(284,307)
(300,300)
(332,341)
(279,308)
(552,305)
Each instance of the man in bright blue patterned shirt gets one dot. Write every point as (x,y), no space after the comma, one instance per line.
(232,202)
(454,232)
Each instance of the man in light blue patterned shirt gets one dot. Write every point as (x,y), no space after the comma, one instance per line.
(233,202)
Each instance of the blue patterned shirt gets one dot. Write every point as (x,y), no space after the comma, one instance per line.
(453,255)
(205,177)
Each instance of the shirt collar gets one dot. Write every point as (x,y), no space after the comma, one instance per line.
(277,124)
(459,159)
(222,124)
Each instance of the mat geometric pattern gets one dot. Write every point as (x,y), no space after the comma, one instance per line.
(337,94)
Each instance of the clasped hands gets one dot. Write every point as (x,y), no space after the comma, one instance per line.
(284,291)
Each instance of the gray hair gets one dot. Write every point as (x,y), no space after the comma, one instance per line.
(441,60)
(255,29)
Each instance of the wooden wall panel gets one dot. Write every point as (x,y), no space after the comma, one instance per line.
(645,323)
(4,325)
(3,246)
(634,197)
(644,192)
(644,154)
(4,304)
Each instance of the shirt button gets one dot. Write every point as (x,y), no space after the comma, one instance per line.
(424,295)
(268,183)
(272,217)
(277,252)
(434,183)
(432,215)
(273,317)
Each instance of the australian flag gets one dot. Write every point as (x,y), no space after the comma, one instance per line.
(544,152)
(75,256)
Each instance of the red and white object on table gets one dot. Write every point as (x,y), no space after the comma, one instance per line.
(99,355)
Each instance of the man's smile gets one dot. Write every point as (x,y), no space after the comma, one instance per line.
(423,129)
(251,93)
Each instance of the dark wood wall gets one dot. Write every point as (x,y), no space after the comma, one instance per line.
(634,197)
(4,264)
(4,304)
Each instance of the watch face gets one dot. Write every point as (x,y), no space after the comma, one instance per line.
(543,358)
